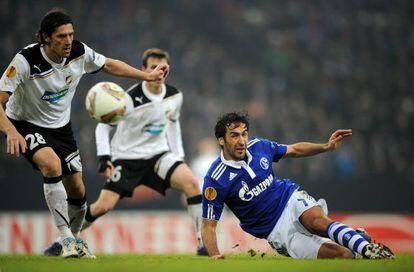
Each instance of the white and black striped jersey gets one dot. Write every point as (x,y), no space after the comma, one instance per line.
(151,128)
(42,90)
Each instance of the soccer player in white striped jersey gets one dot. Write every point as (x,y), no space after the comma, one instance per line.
(146,148)
(293,222)
(38,87)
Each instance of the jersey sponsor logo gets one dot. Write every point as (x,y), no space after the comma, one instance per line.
(210,193)
(247,194)
(11,71)
(53,97)
(232,176)
(264,163)
(153,129)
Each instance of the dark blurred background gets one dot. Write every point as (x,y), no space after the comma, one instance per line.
(301,68)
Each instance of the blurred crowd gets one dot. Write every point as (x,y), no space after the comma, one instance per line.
(300,68)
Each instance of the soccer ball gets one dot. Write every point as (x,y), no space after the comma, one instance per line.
(107,102)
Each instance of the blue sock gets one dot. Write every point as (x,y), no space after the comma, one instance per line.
(346,236)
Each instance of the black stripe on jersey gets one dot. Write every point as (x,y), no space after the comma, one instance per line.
(99,69)
(78,49)
(139,98)
(171,90)
(38,64)
(137,95)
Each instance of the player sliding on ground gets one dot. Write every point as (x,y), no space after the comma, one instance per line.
(292,221)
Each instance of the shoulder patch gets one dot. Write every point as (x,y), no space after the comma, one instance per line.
(11,72)
(171,90)
(210,193)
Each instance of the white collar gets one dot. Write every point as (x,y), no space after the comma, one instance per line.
(59,65)
(237,164)
(240,164)
(151,96)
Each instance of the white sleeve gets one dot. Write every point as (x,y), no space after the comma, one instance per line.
(17,72)
(174,138)
(103,146)
(93,60)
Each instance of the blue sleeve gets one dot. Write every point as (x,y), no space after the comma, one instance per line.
(278,150)
(213,199)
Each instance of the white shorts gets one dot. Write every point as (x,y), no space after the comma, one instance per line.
(290,236)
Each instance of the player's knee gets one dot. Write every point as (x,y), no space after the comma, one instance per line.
(51,168)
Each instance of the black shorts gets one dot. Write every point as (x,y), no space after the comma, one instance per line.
(154,173)
(59,139)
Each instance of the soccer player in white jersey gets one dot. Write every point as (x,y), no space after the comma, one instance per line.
(38,87)
(146,148)
(292,221)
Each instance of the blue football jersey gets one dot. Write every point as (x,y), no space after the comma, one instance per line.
(250,189)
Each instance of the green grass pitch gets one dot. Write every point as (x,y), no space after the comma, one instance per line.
(181,263)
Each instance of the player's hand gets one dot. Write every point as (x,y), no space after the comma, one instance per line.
(16,144)
(337,137)
(160,72)
(108,171)
(105,166)
(217,257)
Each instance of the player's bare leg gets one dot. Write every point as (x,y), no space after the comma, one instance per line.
(348,240)
(55,194)
(105,202)
(183,179)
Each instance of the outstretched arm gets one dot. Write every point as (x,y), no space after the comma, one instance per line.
(208,232)
(304,149)
(120,68)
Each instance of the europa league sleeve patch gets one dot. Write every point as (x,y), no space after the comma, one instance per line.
(11,72)
(210,193)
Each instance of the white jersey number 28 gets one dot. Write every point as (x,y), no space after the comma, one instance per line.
(34,140)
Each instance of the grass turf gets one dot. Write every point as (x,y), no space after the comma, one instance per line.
(172,263)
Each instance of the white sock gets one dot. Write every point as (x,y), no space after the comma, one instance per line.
(76,214)
(55,195)
(194,209)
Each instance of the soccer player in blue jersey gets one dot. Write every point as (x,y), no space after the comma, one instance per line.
(293,222)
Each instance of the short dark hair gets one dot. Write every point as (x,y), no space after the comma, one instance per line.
(154,53)
(52,20)
(224,121)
